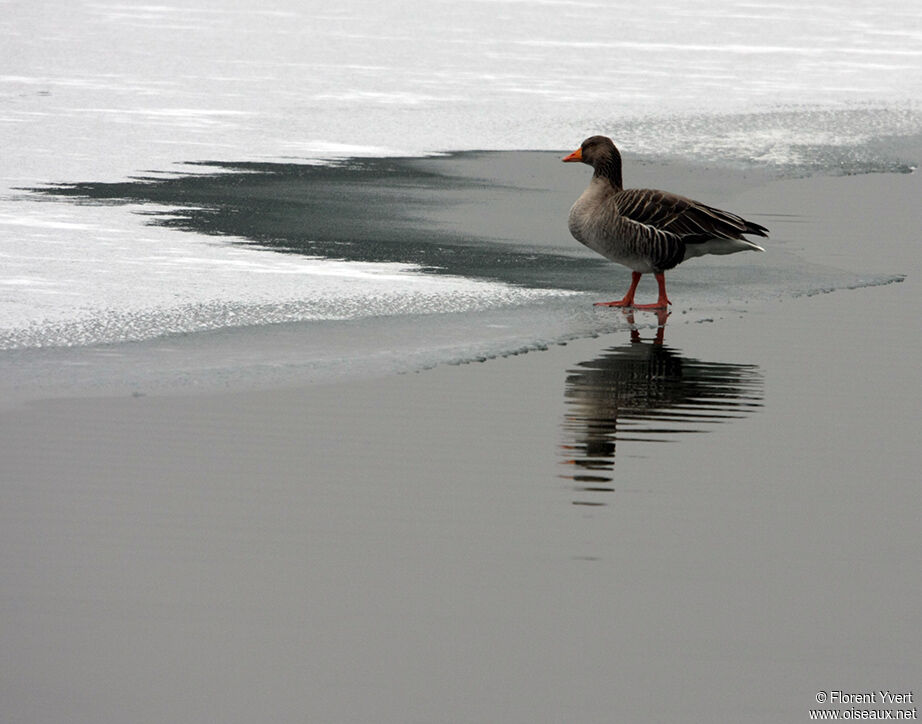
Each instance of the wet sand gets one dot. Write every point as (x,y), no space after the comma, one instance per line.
(498,541)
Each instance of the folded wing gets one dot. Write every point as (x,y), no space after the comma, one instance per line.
(693,221)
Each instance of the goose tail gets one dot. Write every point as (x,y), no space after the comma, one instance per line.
(719,246)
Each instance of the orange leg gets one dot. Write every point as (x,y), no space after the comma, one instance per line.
(662,301)
(628,300)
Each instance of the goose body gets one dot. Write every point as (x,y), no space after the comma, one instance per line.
(646,230)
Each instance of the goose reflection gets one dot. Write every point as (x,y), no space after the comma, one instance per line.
(645,391)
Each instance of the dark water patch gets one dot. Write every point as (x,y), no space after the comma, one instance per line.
(367,210)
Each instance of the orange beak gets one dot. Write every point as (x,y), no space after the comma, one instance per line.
(577,155)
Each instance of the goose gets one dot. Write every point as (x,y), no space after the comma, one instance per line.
(646,230)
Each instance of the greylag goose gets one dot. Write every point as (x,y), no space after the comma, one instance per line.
(647,231)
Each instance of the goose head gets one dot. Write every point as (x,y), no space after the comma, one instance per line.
(602,154)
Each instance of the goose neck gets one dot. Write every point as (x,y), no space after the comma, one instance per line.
(610,170)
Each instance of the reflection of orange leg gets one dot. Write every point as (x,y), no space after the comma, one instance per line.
(661,316)
(635,333)
(628,300)
(662,301)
